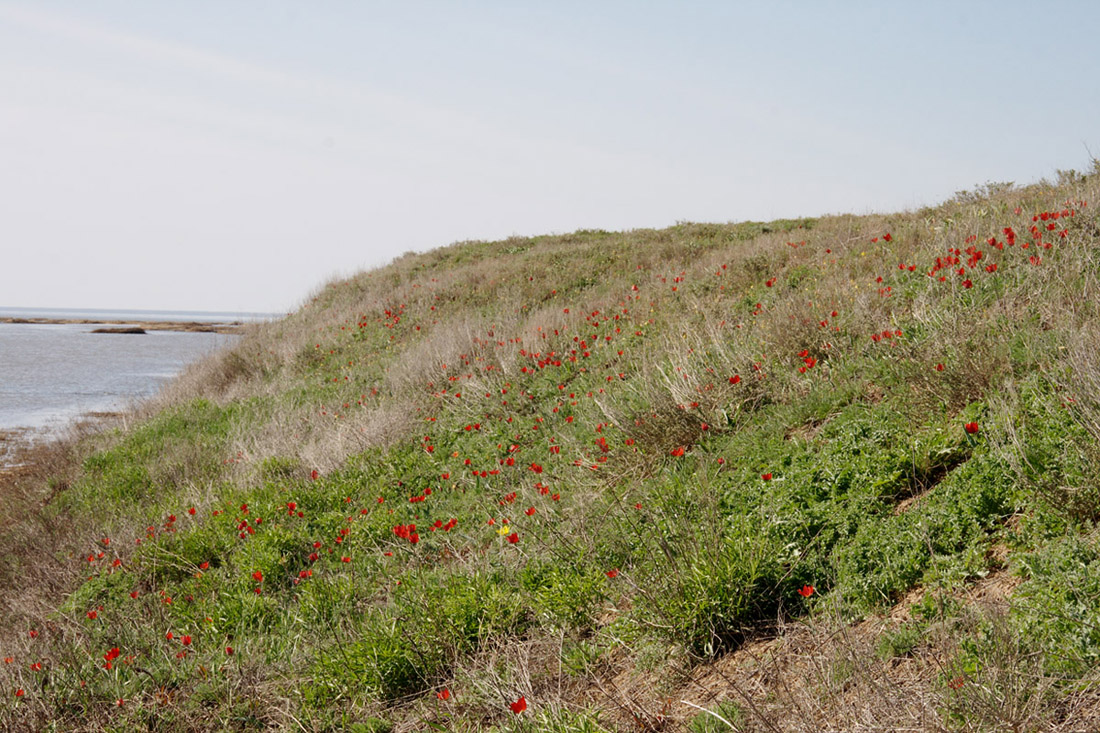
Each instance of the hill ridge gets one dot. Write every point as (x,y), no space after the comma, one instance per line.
(757,468)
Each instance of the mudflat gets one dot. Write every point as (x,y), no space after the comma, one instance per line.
(186,326)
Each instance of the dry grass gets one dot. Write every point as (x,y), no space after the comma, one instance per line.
(364,364)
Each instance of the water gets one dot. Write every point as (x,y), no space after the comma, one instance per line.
(50,374)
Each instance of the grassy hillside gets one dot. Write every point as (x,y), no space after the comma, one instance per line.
(836,473)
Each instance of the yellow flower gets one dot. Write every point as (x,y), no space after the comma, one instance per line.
(504,530)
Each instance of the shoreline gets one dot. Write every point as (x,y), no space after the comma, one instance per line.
(20,443)
(13,441)
(231,327)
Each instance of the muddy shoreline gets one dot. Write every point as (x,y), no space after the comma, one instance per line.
(13,441)
(231,327)
(30,458)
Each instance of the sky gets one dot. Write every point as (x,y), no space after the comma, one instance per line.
(234,155)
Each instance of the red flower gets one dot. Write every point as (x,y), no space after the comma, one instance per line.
(735,379)
(313,474)
(613,573)
(229,651)
(258,576)
(513,538)
(806,591)
(971,427)
(677,451)
(529,511)
(186,640)
(766,476)
(519,705)
(444,694)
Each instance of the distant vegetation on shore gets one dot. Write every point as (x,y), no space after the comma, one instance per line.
(138,326)
(838,473)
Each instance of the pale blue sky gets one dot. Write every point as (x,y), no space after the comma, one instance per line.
(234,155)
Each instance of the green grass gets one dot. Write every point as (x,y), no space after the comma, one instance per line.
(616,451)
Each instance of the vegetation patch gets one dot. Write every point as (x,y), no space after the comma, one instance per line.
(759,476)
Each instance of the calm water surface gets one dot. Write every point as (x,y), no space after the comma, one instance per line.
(50,374)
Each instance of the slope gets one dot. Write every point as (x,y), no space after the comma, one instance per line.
(762,468)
